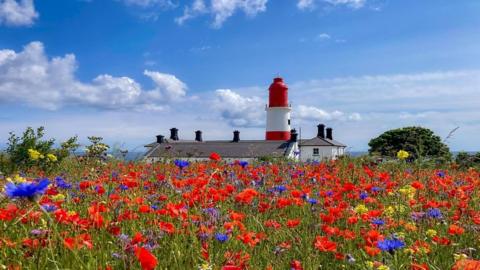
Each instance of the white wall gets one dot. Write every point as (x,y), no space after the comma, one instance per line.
(324,152)
(277,118)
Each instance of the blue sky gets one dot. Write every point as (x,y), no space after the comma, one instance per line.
(130,69)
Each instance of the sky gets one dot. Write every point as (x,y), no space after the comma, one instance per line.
(128,70)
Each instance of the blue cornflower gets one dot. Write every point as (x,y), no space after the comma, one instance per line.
(27,189)
(312,201)
(441,174)
(378,222)
(390,245)
(280,188)
(123,187)
(363,195)
(376,189)
(61,183)
(243,163)
(181,163)
(222,238)
(434,213)
(329,193)
(49,207)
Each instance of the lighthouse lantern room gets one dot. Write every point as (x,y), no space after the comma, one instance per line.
(278,112)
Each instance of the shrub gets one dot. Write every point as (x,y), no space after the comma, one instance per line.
(31,150)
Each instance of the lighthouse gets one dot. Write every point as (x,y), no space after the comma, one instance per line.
(278,112)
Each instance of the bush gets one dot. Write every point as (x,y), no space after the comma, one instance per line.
(466,160)
(31,150)
(419,142)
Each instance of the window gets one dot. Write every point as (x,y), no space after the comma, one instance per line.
(315,151)
(289,122)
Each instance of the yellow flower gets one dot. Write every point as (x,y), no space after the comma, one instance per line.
(19,179)
(360,209)
(34,154)
(71,213)
(408,190)
(58,197)
(205,266)
(402,154)
(383,267)
(460,256)
(409,251)
(369,265)
(389,211)
(431,233)
(52,157)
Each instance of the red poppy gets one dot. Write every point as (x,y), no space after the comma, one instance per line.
(147,260)
(323,244)
(466,265)
(455,230)
(292,223)
(215,156)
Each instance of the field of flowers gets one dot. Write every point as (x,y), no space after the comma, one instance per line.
(345,214)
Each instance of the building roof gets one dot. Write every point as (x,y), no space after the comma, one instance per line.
(318,141)
(226,149)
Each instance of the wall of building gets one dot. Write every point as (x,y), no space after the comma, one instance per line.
(324,152)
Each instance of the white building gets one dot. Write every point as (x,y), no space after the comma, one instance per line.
(280,141)
(321,147)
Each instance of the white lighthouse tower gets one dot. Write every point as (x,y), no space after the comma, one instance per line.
(278,112)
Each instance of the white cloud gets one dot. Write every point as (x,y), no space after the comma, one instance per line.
(240,111)
(323,36)
(221,10)
(303,112)
(310,4)
(30,77)
(440,101)
(149,3)
(17,12)
(305,4)
(171,87)
(350,3)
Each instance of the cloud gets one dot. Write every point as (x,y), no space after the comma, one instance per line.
(221,10)
(439,100)
(17,12)
(30,77)
(171,87)
(149,3)
(310,4)
(313,113)
(240,111)
(323,36)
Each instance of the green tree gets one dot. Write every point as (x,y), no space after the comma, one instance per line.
(419,142)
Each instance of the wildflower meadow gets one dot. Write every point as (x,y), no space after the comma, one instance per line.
(217,214)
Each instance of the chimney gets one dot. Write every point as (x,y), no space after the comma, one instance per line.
(198,136)
(329,133)
(174,134)
(236,136)
(160,139)
(293,135)
(321,131)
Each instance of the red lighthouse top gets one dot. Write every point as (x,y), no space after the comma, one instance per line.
(278,93)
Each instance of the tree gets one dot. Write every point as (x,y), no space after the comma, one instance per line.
(417,141)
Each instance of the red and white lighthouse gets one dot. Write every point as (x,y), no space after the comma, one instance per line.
(278,112)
